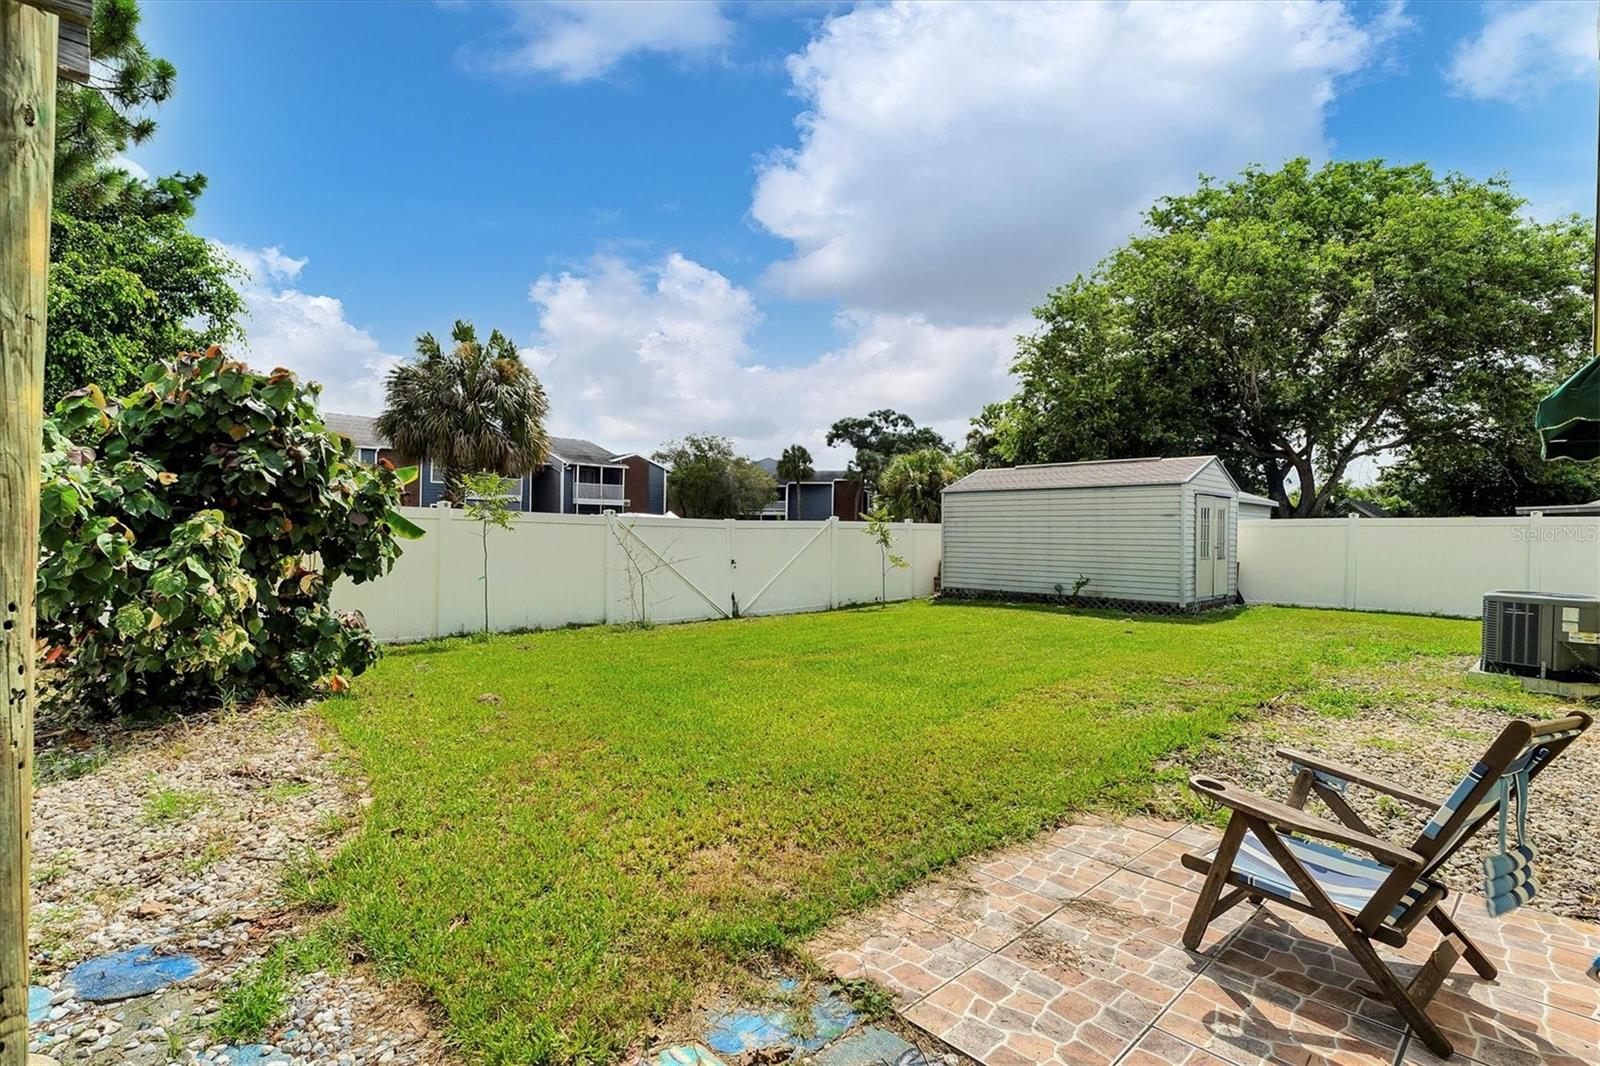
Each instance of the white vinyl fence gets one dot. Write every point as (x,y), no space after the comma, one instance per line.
(555,570)
(1415,565)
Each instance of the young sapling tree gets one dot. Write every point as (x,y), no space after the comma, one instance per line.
(880,527)
(484,496)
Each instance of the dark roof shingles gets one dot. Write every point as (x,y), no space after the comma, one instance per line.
(578,450)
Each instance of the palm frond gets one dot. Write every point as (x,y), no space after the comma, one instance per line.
(476,408)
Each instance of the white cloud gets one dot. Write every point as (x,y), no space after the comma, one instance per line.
(268,264)
(308,333)
(1525,50)
(633,355)
(939,374)
(957,160)
(618,345)
(575,41)
(122,162)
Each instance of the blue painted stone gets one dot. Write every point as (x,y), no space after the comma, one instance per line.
(135,972)
(872,1047)
(739,1031)
(831,1017)
(254,1055)
(689,1055)
(38,1003)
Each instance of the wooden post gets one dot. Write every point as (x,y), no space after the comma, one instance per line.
(27,146)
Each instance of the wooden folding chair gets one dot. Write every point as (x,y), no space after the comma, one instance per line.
(1381,898)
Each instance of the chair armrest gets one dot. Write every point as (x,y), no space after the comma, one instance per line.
(1360,777)
(1287,817)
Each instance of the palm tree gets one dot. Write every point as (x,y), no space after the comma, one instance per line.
(795,465)
(474,408)
(910,486)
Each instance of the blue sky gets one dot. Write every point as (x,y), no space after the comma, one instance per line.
(754,219)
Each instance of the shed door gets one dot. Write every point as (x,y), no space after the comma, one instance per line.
(1210,547)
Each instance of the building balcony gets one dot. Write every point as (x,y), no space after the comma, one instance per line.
(590,492)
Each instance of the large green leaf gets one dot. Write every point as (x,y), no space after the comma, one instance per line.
(406,474)
(402,526)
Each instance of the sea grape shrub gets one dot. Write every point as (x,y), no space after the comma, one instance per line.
(191,533)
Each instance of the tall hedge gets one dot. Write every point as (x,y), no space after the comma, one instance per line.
(191,532)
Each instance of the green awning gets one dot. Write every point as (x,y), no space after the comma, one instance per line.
(1568,420)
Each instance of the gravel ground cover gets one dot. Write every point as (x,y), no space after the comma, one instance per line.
(196,838)
(1422,723)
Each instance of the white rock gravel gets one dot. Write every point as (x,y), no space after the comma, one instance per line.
(1427,745)
(181,839)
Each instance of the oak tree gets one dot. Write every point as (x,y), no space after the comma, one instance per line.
(1297,321)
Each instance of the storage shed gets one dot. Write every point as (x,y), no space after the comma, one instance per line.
(1253,506)
(1151,533)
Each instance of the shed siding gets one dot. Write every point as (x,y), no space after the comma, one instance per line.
(1249,509)
(1126,540)
(1214,481)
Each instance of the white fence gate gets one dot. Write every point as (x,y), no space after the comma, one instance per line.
(554,570)
(1415,565)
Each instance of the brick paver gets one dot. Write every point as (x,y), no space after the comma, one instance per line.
(1067,950)
(905,954)
(987,911)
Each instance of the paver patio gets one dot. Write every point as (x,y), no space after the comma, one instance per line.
(1066,950)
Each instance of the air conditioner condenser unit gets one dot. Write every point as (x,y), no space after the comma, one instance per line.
(1542,634)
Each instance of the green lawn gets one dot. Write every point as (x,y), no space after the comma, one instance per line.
(573,830)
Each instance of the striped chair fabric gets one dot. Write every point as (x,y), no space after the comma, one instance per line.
(1349,880)
(1442,816)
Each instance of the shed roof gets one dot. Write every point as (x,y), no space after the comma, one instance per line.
(1099,474)
(1592,508)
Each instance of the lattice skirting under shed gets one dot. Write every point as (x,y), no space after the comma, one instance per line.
(1088,603)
